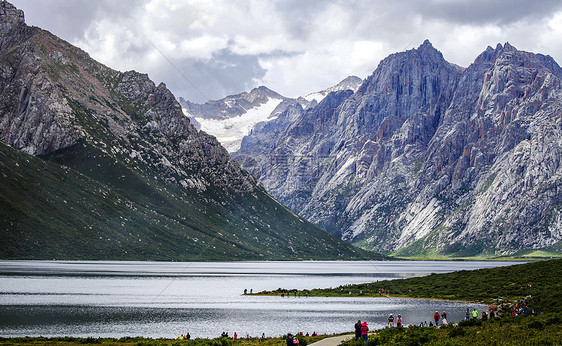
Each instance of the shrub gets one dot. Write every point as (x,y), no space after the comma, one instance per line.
(553,320)
(470,322)
(456,331)
(535,324)
(221,342)
(90,340)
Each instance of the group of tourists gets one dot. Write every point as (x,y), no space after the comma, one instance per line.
(295,293)
(291,340)
(361,331)
(442,318)
(484,315)
(361,328)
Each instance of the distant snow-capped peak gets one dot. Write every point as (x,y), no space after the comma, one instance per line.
(233,117)
(230,131)
(350,83)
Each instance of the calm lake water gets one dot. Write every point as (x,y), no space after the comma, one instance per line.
(161,299)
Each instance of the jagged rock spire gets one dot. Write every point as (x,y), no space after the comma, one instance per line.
(10,17)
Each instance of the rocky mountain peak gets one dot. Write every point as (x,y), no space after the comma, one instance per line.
(10,17)
(490,54)
(102,164)
(427,48)
(349,83)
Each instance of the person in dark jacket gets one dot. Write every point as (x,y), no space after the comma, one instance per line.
(289,339)
(358,330)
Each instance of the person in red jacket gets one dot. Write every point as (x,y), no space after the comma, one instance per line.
(436,317)
(364,331)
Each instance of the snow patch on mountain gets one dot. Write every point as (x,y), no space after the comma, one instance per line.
(191,118)
(350,83)
(229,132)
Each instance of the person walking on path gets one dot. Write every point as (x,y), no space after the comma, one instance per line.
(474,313)
(358,330)
(436,318)
(364,331)
(467,315)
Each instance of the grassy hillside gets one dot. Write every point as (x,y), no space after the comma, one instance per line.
(539,280)
(101,209)
(538,283)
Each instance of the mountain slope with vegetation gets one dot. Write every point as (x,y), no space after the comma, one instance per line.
(102,164)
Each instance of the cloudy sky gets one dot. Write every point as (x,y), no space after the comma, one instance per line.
(207,49)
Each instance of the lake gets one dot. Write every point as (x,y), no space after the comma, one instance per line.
(161,299)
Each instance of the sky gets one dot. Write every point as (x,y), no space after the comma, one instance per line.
(208,49)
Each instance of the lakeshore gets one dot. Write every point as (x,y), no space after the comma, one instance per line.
(160,299)
(524,327)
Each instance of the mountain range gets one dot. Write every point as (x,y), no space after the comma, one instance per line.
(426,158)
(102,164)
(232,118)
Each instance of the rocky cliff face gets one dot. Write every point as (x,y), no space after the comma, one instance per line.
(131,140)
(426,158)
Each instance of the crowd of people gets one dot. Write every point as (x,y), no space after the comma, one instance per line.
(362,328)
(292,340)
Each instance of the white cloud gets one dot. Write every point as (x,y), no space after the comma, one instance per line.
(294,47)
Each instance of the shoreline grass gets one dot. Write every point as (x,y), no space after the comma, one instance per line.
(539,280)
(142,341)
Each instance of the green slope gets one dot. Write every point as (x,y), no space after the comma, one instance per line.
(538,281)
(49,211)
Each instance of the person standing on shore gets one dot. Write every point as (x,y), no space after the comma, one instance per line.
(364,331)
(399,321)
(391,320)
(436,318)
(444,317)
(358,330)
(289,339)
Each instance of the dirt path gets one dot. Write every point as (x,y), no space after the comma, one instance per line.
(335,341)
